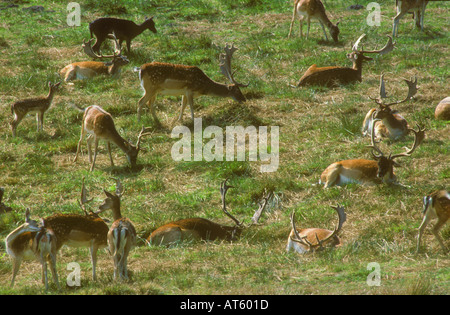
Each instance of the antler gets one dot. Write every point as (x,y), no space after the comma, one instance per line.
(372,139)
(418,138)
(119,187)
(225,64)
(144,132)
(87,47)
(386,49)
(298,238)
(412,90)
(223,191)
(262,206)
(342,218)
(83,198)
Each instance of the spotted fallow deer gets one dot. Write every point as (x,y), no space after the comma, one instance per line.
(188,81)
(203,229)
(405,6)
(38,105)
(314,239)
(121,235)
(89,69)
(389,123)
(99,124)
(334,76)
(435,205)
(368,172)
(313,9)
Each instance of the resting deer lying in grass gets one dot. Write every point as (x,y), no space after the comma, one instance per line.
(188,81)
(121,235)
(124,30)
(389,123)
(38,105)
(405,6)
(313,239)
(368,172)
(89,69)
(313,9)
(203,229)
(334,76)
(100,125)
(435,205)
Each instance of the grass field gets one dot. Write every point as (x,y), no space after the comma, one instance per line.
(318,126)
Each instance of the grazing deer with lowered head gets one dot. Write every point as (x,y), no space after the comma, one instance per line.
(124,30)
(121,235)
(368,172)
(405,6)
(100,125)
(314,239)
(89,69)
(435,205)
(334,76)
(389,123)
(188,81)
(313,9)
(203,229)
(38,105)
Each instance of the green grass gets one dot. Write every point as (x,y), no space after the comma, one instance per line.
(317,127)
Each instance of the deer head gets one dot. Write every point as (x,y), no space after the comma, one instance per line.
(357,54)
(225,68)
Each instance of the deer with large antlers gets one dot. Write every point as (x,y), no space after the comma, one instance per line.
(100,125)
(88,69)
(368,172)
(313,9)
(405,6)
(314,239)
(435,205)
(389,123)
(121,235)
(334,76)
(188,81)
(204,229)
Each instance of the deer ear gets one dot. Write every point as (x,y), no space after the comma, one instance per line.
(338,23)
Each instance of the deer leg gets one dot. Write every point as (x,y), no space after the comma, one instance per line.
(93,249)
(324,32)
(17,119)
(79,143)
(396,21)
(44,272)
(308,21)
(146,98)
(435,231)
(53,270)
(422,227)
(89,147)
(95,152)
(294,16)
(17,261)
(110,156)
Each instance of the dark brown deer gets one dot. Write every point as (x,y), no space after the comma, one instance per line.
(124,30)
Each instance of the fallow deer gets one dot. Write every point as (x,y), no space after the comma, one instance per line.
(314,239)
(334,76)
(121,235)
(435,205)
(38,105)
(313,9)
(124,30)
(188,81)
(89,69)
(368,172)
(100,125)
(203,229)
(389,122)
(405,6)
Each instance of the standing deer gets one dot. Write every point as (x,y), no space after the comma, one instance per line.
(405,6)
(313,9)
(435,205)
(100,125)
(334,76)
(188,81)
(124,30)
(368,172)
(313,239)
(203,229)
(89,69)
(38,105)
(121,235)
(389,123)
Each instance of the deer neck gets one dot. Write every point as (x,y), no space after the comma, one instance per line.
(325,20)
(50,96)
(114,69)
(116,210)
(357,65)
(218,89)
(123,144)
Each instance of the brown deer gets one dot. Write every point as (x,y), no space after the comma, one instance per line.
(389,123)
(314,239)
(334,76)
(100,125)
(188,81)
(435,205)
(38,105)
(368,172)
(124,30)
(405,6)
(203,229)
(121,235)
(313,9)
(89,69)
